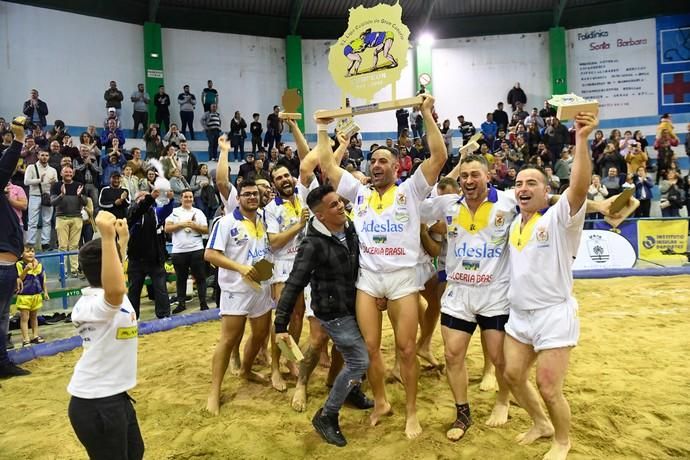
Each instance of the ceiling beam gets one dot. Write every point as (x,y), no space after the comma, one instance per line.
(424,24)
(153,10)
(295,13)
(558,12)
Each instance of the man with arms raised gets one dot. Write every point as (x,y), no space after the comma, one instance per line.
(387,221)
(237,242)
(543,325)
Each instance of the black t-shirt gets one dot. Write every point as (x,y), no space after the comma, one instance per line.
(274,123)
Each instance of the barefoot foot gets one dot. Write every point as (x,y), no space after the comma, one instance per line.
(252,376)
(489,382)
(380,411)
(427,356)
(213,405)
(499,415)
(558,451)
(277,381)
(534,433)
(299,399)
(412,427)
(235,364)
(324,359)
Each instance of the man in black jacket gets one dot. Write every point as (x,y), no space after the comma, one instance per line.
(328,258)
(146,250)
(36,109)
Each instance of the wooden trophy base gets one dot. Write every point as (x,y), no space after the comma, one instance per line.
(289,116)
(568,112)
(370,108)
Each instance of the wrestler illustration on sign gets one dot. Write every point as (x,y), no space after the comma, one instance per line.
(379,41)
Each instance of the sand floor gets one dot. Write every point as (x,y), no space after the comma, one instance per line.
(628,386)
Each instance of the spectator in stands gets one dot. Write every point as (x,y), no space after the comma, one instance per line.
(641,140)
(148,183)
(187,161)
(509,181)
(129,181)
(635,157)
(40,177)
(146,250)
(209,96)
(187,225)
(500,116)
(36,109)
(112,132)
(522,148)
(643,191)
(272,159)
(561,168)
(54,155)
(137,164)
(515,95)
(174,136)
(548,111)
(520,112)
(111,163)
(615,139)
(402,119)
(612,182)
(91,130)
(274,128)
(290,161)
(140,114)
(30,151)
(111,114)
(663,145)
(40,138)
(672,194)
(598,146)
(113,98)
(489,129)
(211,123)
(7,137)
(204,191)
(162,103)
(178,184)
(416,122)
(535,119)
(447,136)
(89,142)
(553,181)
(237,135)
(57,132)
(610,159)
(544,154)
(65,161)
(187,103)
(114,198)
(258,172)
(68,200)
(255,129)
(68,149)
(404,163)
(248,165)
(354,152)
(686,189)
(597,191)
(16,196)
(87,171)
(467,129)
(625,143)
(154,144)
(556,136)
(169,160)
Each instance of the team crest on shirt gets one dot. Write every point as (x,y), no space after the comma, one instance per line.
(500,220)
(542,235)
(379,239)
(452,231)
(401,199)
(449,220)
(402,217)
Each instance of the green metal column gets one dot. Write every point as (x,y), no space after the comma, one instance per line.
(153,62)
(558,60)
(422,61)
(293,66)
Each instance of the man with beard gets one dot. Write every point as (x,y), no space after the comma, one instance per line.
(387,219)
(286,217)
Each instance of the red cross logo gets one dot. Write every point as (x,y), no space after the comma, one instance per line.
(678,88)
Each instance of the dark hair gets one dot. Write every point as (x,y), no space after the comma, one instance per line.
(392,151)
(161,86)
(29,246)
(315,197)
(91,261)
(246,183)
(185,191)
(276,168)
(478,158)
(256,115)
(536,168)
(447,182)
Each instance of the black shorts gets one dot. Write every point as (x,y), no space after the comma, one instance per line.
(497,323)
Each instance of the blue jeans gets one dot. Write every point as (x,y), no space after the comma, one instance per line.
(348,340)
(8,283)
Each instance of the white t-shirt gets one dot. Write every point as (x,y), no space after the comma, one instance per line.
(186,239)
(542,255)
(108,365)
(231,202)
(388,225)
(476,253)
(281,215)
(242,241)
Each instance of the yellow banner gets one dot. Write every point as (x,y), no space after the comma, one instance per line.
(656,236)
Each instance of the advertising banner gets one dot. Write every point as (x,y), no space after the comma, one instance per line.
(604,249)
(656,236)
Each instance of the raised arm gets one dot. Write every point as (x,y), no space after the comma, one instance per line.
(302,146)
(432,166)
(581,171)
(222,170)
(342,148)
(329,167)
(307,166)
(112,275)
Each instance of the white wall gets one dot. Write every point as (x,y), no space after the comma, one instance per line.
(470,75)
(248,72)
(70,59)
(322,93)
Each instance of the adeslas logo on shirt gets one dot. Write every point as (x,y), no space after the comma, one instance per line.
(258,253)
(483,251)
(385,227)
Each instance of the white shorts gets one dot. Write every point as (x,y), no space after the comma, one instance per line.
(546,328)
(425,271)
(251,304)
(308,312)
(392,285)
(466,302)
(281,270)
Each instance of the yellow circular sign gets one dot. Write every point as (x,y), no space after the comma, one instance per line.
(372,52)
